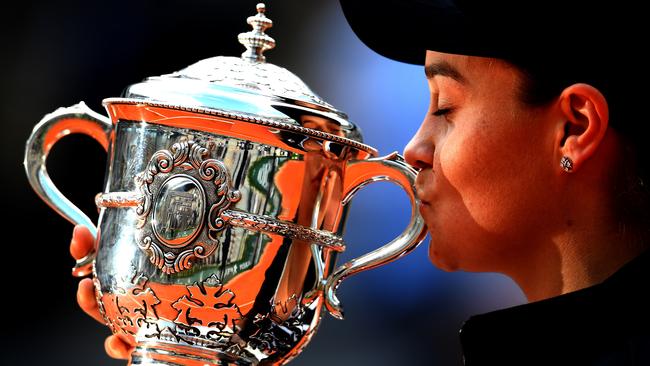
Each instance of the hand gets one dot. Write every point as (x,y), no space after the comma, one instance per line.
(81,244)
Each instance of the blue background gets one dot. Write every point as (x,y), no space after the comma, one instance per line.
(58,53)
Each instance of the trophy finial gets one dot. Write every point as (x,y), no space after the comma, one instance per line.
(256,41)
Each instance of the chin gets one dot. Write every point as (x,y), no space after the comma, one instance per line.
(442,260)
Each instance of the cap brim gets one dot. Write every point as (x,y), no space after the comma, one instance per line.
(403,30)
(508,29)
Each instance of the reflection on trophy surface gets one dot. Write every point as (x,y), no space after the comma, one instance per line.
(180,206)
(227,189)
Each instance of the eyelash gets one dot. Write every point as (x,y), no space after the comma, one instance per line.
(442,112)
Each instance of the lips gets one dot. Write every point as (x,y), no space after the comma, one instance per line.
(424,186)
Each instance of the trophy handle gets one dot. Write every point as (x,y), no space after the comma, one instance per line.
(62,122)
(358,174)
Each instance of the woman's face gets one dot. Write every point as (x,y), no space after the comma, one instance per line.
(488,165)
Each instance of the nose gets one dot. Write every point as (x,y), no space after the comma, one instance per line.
(419,151)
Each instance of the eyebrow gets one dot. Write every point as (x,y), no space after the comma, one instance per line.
(443,69)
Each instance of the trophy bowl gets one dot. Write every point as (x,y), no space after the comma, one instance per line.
(227,188)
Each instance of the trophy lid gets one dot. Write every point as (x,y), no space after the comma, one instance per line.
(246,88)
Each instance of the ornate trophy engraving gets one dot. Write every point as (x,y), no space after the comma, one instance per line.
(226,194)
(177,187)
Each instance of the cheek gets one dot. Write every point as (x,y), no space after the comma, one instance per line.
(480,176)
(484,180)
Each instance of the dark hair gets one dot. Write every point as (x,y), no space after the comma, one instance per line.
(541,86)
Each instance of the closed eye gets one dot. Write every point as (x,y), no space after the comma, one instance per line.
(441,112)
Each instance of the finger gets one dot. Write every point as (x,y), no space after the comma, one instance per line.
(82,242)
(117,348)
(87,301)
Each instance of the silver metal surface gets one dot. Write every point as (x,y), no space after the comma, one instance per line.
(178,185)
(256,41)
(291,210)
(319,127)
(362,173)
(52,127)
(270,225)
(118,199)
(227,189)
(262,223)
(237,87)
(252,284)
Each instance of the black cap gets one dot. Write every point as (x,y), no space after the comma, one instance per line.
(530,30)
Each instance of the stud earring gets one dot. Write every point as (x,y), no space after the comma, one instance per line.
(567,164)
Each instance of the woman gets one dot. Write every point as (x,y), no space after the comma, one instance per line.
(531,164)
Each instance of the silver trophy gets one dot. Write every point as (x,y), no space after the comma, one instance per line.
(226,193)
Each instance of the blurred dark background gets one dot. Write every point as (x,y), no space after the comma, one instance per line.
(57,53)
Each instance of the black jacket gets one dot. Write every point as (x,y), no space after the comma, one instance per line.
(606,324)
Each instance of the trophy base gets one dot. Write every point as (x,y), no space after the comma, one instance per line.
(168,354)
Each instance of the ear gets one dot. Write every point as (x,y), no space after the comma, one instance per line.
(586,118)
